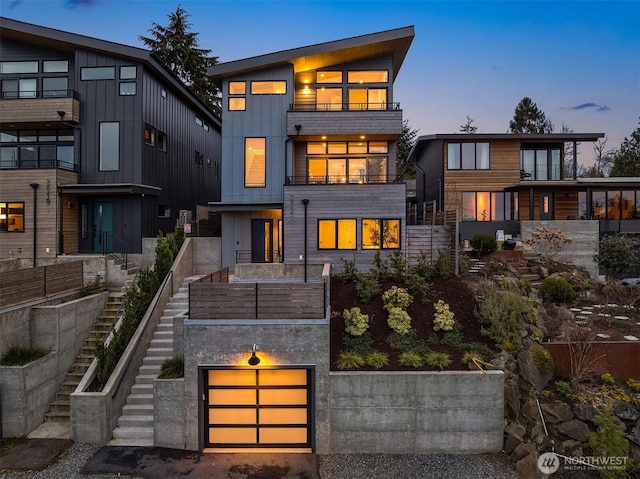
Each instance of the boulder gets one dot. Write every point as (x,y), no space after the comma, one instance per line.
(570,445)
(575,429)
(515,428)
(521,451)
(511,399)
(539,437)
(511,442)
(527,467)
(555,413)
(532,373)
(586,412)
(625,411)
(634,435)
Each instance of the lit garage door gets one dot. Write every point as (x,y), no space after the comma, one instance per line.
(258,407)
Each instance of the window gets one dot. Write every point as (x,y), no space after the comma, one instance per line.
(199,159)
(9,88)
(216,170)
(163,94)
(540,162)
(468,156)
(149,135)
(347,162)
(329,77)
(56,86)
(109,146)
(255,162)
(268,87)
(127,88)
(27,87)
(164,211)
(98,73)
(128,73)
(489,206)
(161,142)
(237,104)
(237,88)
(19,67)
(329,98)
(55,66)
(370,76)
(337,234)
(11,217)
(380,234)
(367,99)
(198,121)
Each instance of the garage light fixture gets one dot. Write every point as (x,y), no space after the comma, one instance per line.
(254,360)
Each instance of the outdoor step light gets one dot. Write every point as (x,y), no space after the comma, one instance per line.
(254,360)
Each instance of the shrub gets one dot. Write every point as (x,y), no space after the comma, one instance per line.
(484,244)
(546,243)
(607,378)
(409,342)
(355,322)
(422,267)
(367,289)
(396,298)
(618,254)
(93,287)
(377,360)
(363,344)
(381,270)
(438,360)
(542,359)
(454,339)
(419,286)
(21,355)
(443,318)
(634,385)
(411,359)
(502,314)
(443,266)
(470,359)
(609,441)
(563,388)
(398,265)
(349,274)
(399,320)
(172,368)
(557,290)
(349,360)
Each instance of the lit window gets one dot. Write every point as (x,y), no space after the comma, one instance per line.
(11,217)
(237,104)
(237,88)
(109,146)
(316,148)
(268,87)
(329,98)
(329,77)
(337,234)
(489,206)
(19,67)
(380,234)
(128,73)
(370,76)
(127,88)
(98,73)
(149,135)
(367,99)
(55,66)
(255,162)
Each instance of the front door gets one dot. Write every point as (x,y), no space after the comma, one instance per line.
(264,407)
(261,241)
(546,205)
(103,228)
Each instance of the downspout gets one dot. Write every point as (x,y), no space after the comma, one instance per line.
(35,221)
(286,176)
(305,202)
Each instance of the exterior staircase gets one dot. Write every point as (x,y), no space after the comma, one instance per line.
(59,410)
(135,425)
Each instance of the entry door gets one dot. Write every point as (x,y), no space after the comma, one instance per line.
(103,228)
(258,407)
(546,205)
(261,241)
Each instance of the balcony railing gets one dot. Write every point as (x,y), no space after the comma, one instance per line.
(338,180)
(37,164)
(343,106)
(23,95)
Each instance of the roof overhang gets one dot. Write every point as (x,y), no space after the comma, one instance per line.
(394,42)
(109,189)
(581,183)
(228,207)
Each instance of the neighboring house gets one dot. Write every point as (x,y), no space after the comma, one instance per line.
(101,145)
(497,181)
(309,152)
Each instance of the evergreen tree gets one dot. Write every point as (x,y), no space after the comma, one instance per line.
(407,140)
(626,159)
(528,118)
(177,48)
(468,127)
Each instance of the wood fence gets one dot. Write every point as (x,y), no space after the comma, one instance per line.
(220,276)
(35,283)
(289,300)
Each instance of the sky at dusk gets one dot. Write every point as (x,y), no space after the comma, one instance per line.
(578,60)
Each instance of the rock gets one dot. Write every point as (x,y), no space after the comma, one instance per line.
(527,467)
(575,429)
(625,411)
(586,412)
(511,442)
(511,399)
(634,436)
(536,375)
(530,411)
(540,438)
(515,428)
(570,445)
(555,413)
(522,450)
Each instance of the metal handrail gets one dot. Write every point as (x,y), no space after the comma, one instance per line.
(26,95)
(37,164)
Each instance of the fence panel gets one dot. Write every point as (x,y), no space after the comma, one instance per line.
(222,301)
(63,277)
(290,300)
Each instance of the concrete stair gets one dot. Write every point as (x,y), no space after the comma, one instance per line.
(135,425)
(59,409)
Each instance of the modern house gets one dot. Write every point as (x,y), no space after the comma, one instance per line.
(101,145)
(498,181)
(309,152)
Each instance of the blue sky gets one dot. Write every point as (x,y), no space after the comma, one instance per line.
(578,60)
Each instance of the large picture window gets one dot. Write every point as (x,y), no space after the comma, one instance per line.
(368,99)
(489,206)
(255,164)
(468,156)
(380,233)
(11,217)
(109,146)
(347,162)
(540,163)
(337,234)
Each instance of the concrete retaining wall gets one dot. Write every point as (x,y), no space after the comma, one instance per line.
(169,413)
(456,412)
(275,271)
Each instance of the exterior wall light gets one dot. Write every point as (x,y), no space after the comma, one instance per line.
(254,360)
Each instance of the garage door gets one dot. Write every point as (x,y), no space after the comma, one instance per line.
(258,407)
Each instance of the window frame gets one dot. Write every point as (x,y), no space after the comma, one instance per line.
(461,158)
(238,83)
(363,82)
(509,204)
(247,148)
(123,75)
(240,100)
(5,70)
(128,84)
(150,135)
(382,228)
(65,69)
(101,73)
(337,233)
(275,83)
(551,171)
(5,210)
(106,162)
(46,92)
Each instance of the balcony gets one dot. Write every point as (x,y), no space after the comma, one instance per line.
(39,107)
(375,120)
(338,180)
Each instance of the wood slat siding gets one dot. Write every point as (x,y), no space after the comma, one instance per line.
(34,283)
(39,110)
(238,301)
(428,240)
(377,123)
